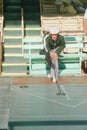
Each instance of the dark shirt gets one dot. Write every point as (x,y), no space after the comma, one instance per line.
(59,42)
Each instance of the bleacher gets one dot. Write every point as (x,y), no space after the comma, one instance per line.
(71,26)
(70,60)
(24,59)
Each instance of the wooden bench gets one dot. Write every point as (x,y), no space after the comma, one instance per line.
(37,63)
(69,61)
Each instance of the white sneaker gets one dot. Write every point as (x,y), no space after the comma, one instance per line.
(54,80)
(49,76)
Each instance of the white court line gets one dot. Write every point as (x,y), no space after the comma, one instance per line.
(79,104)
(44,98)
(65,92)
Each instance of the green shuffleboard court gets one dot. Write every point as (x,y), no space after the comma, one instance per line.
(38,107)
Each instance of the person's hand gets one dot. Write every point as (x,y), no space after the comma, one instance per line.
(53,55)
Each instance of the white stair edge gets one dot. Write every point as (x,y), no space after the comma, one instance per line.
(14,64)
(13,74)
(14,54)
(13,46)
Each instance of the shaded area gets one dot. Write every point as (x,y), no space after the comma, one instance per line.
(47,123)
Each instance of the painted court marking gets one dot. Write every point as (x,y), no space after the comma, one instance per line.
(53,101)
(44,98)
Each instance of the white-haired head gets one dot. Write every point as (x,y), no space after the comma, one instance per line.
(53,30)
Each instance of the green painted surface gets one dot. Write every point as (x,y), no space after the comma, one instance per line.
(12,2)
(17,68)
(4,106)
(12,16)
(15,59)
(12,41)
(36,107)
(12,50)
(32,32)
(69,60)
(13,36)
(12,23)
(13,32)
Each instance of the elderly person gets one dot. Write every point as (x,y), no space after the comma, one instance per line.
(67,8)
(54,44)
(85,22)
(78,5)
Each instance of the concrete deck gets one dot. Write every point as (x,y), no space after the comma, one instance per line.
(25,80)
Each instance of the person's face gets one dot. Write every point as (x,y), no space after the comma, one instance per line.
(54,36)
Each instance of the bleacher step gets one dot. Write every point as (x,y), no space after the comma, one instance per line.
(11,28)
(12,37)
(13,46)
(14,64)
(14,74)
(14,54)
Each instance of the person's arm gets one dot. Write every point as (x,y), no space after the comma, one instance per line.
(52,53)
(85,22)
(45,42)
(48,47)
(61,46)
(85,26)
(58,49)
